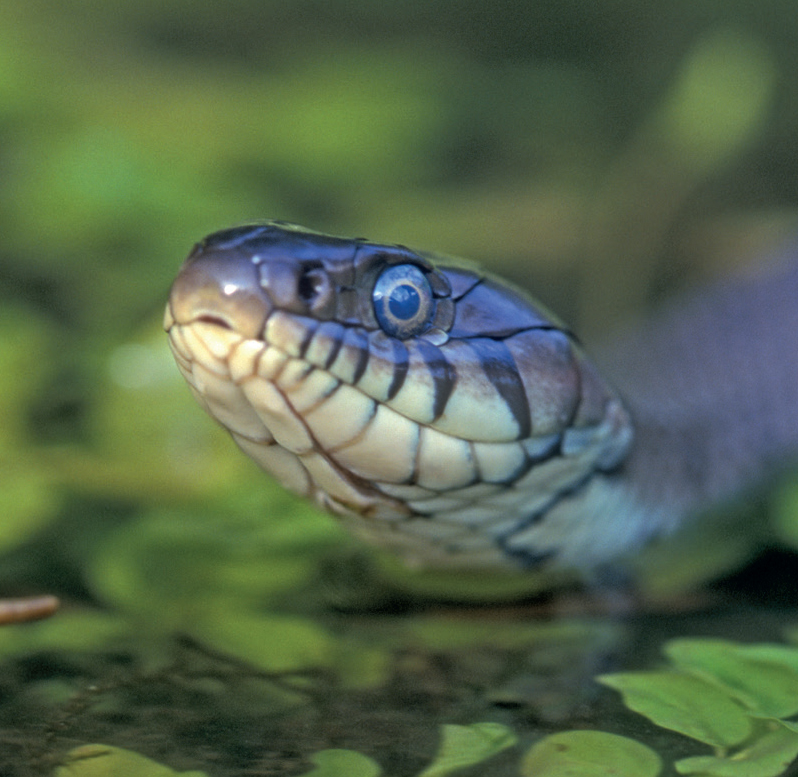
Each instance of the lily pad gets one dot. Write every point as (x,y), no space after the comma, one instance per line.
(768,756)
(463,746)
(763,678)
(589,754)
(107,761)
(683,703)
(342,763)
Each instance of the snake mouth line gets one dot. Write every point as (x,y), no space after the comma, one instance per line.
(214,321)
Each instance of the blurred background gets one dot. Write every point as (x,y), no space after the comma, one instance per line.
(603,154)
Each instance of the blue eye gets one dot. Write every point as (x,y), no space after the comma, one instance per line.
(403,301)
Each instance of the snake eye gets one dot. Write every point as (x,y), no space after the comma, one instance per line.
(403,301)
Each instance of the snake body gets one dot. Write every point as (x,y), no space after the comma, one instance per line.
(445,415)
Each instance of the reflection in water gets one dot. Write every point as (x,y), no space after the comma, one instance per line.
(384,685)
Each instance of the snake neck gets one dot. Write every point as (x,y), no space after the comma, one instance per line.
(712,386)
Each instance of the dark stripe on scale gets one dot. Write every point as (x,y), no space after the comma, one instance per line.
(401,364)
(525,555)
(528,559)
(501,370)
(356,340)
(443,375)
(307,337)
(335,332)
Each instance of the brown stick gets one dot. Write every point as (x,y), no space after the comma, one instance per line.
(32,608)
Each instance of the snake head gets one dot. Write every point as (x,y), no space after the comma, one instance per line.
(438,411)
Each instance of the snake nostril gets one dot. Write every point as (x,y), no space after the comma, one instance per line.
(315,289)
(311,283)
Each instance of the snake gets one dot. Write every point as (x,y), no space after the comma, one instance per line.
(445,416)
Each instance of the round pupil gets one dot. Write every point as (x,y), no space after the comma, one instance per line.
(404,302)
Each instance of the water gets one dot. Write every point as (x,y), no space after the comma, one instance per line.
(388,683)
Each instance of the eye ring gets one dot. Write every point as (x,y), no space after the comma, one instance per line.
(403,301)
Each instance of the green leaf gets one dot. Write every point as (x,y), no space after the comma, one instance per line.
(785,513)
(463,746)
(589,754)
(28,501)
(181,559)
(276,643)
(721,99)
(107,761)
(768,756)
(683,703)
(763,678)
(342,763)
(25,353)
(70,631)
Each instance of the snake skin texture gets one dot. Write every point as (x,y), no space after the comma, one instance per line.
(472,433)
(712,385)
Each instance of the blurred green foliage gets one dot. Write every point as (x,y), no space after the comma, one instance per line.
(461,746)
(105,761)
(561,143)
(736,698)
